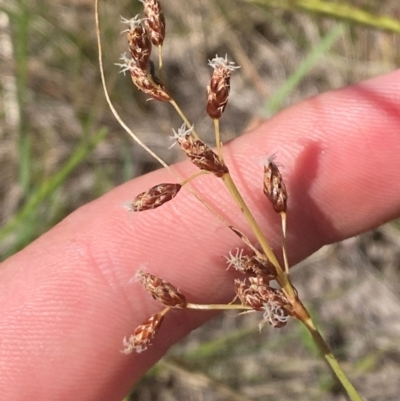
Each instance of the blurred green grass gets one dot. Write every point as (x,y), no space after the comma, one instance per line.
(65,149)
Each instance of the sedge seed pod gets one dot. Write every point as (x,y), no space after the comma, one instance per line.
(161,290)
(144,80)
(143,334)
(273,186)
(138,41)
(219,86)
(155,197)
(199,153)
(155,21)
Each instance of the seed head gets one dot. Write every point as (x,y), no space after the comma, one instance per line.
(143,335)
(256,292)
(155,197)
(274,187)
(138,41)
(155,21)
(161,290)
(199,153)
(145,79)
(219,87)
(251,264)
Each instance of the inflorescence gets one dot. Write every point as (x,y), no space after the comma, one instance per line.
(254,292)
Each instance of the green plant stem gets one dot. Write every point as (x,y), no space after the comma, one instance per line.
(332,361)
(341,11)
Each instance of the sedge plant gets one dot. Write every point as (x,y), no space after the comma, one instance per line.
(265,285)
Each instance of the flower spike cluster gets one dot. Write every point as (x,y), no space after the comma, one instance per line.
(219,86)
(141,34)
(265,286)
(254,291)
(155,197)
(274,187)
(143,335)
(155,21)
(161,290)
(138,42)
(144,80)
(199,153)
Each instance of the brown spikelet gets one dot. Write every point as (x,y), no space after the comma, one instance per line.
(138,41)
(161,290)
(155,21)
(250,294)
(256,292)
(274,188)
(154,197)
(252,265)
(143,335)
(219,87)
(145,80)
(199,153)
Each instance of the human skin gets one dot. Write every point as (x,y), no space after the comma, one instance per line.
(68,299)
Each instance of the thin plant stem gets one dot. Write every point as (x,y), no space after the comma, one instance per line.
(183,117)
(160,59)
(165,310)
(332,361)
(284,251)
(218,307)
(192,177)
(218,143)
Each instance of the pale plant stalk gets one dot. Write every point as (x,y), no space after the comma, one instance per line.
(218,142)
(283,279)
(160,59)
(282,274)
(184,118)
(218,306)
(284,249)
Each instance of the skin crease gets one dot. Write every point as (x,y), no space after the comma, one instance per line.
(68,299)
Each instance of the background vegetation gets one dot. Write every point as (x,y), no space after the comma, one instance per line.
(60,148)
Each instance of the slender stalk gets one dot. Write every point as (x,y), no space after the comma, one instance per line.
(284,251)
(218,139)
(332,361)
(160,60)
(165,310)
(218,307)
(192,177)
(183,117)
